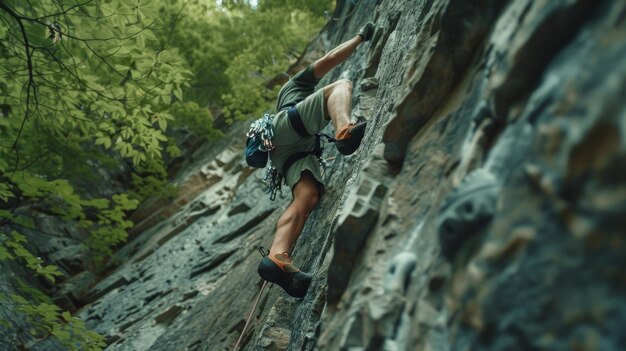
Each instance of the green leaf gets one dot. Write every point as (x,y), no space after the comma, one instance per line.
(19,299)
(162,124)
(106,141)
(5,192)
(4,253)
(6,215)
(98,203)
(140,41)
(17,237)
(178,92)
(167,99)
(61,334)
(66,316)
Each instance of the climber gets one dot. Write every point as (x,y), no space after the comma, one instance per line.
(303,112)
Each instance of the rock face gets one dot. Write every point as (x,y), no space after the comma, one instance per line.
(484,211)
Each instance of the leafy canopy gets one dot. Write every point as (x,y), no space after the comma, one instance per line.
(93,86)
(235,49)
(84,85)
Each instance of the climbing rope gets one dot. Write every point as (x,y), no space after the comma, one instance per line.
(245,328)
(256,302)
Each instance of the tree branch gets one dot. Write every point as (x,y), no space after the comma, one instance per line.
(31,82)
(63,12)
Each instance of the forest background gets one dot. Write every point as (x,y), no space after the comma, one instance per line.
(117,85)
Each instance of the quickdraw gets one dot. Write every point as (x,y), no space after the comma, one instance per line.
(263,128)
(274,181)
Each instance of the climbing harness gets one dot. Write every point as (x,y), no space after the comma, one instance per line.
(259,144)
(275,179)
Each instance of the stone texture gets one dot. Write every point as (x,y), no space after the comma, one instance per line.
(352,228)
(466,211)
(72,259)
(74,290)
(274,336)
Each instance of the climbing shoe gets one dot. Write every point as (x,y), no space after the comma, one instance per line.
(349,138)
(282,272)
(367,31)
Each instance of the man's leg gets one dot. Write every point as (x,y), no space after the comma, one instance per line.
(277,267)
(338,101)
(338,98)
(290,224)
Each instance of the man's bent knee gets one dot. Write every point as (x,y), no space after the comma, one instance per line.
(306,191)
(309,196)
(340,85)
(346,83)
(343,84)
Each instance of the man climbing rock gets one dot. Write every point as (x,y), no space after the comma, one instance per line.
(303,112)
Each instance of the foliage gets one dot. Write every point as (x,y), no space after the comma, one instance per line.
(150,178)
(195,119)
(37,313)
(13,248)
(97,80)
(83,86)
(87,84)
(96,86)
(194,29)
(237,48)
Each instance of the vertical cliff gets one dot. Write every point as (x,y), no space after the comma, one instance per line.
(485,209)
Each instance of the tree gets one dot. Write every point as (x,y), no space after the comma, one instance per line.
(235,48)
(80,80)
(84,85)
(90,84)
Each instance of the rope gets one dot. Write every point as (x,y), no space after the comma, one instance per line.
(245,328)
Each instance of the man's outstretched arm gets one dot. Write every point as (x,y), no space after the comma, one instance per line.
(339,54)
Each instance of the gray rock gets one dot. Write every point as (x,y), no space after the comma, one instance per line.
(275,332)
(73,259)
(75,289)
(351,233)
(400,273)
(468,208)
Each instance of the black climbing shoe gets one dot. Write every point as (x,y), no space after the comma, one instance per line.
(291,279)
(366,31)
(349,138)
(467,209)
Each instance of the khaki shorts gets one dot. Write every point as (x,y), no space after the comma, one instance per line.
(299,92)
